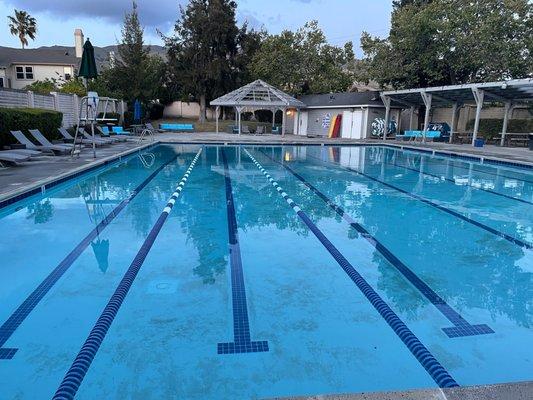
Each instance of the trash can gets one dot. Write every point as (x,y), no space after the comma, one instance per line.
(530,142)
(479,142)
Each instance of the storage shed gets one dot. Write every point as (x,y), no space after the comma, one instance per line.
(363,114)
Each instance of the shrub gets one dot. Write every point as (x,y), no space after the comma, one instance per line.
(154,111)
(491,127)
(22,119)
(42,87)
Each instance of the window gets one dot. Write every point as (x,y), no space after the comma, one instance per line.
(24,72)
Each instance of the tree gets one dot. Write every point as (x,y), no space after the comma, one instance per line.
(23,25)
(203,54)
(443,42)
(135,73)
(303,62)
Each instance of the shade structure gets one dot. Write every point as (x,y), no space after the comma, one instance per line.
(88,63)
(257,95)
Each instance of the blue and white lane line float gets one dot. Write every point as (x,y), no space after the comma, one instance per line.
(461,327)
(75,375)
(434,368)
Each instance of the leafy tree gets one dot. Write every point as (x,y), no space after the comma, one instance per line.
(135,73)
(302,61)
(42,87)
(73,86)
(443,42)
(23,25)
(207,54)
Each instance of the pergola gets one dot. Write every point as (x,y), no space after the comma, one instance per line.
(257,95)
(510,93)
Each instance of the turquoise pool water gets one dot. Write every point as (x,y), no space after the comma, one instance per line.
(212,272)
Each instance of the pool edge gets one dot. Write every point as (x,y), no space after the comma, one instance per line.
(502,391)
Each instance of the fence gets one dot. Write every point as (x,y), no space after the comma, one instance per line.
(68,104)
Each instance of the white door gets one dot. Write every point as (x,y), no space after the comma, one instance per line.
(357,125)
(304,115)
(347,122)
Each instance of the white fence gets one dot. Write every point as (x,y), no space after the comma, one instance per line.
(68,104)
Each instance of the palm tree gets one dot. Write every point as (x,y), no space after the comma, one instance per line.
(23,25)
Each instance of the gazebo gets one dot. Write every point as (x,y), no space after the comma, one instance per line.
(257,95)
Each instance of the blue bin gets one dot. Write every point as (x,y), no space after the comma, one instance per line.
(479,142)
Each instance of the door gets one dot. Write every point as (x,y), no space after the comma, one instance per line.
(304,115)
(347,123)
(357,125)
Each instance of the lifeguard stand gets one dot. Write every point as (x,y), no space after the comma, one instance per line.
(91,106)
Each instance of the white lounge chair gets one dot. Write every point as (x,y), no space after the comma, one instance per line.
(22,139)
(99,141)
(45,142)
(67,136)
(12,158)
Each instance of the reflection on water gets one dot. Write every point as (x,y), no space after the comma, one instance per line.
(41,212)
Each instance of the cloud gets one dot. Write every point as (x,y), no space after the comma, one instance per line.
(152,13)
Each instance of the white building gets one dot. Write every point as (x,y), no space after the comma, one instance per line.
(359,111)
(22,67)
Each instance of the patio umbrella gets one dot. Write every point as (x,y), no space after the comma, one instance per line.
(88,63)
(137,111)
(88,71)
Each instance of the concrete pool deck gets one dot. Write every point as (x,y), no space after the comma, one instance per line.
(43,170)
(507,391)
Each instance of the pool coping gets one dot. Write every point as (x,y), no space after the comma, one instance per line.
(503,391)
(42,185)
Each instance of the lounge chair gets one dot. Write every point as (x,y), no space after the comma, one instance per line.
(45,142)
(26,152)
(104,133)
(151,127)
(177,127)
(10,157)
(98,141)
(67,136)
(245,129)
(276,130)
(31,146)
(260,130)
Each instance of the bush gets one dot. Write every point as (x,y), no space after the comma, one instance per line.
(154,111)
(491,127)
(22,119)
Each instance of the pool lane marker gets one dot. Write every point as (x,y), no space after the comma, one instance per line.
(422,354)
(424,200)
(453,181)
(75,375)
(21,313)
(242,342)
(461,326)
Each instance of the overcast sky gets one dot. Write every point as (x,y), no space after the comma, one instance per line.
(342,20)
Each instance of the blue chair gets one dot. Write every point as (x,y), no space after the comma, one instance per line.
(276,130)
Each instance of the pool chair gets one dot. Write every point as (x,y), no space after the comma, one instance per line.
(119,130)
(260,130)
(68,137)
(45,142)
(98,141)
(103,132)
(55,149)
(149,125)
(245,129)
(9,157)
(177,127)
(276,130)
(26,152)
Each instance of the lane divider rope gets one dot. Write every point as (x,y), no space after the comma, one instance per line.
(461,326)
(439,374)
(76,373)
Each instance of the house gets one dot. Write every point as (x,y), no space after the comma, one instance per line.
(21,67)
(361,113)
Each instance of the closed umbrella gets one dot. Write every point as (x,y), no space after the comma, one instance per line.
(88,71)
(137,111)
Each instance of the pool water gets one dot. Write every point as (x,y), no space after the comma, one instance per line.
(220,272)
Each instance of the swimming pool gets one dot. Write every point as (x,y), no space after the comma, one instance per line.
(220,272)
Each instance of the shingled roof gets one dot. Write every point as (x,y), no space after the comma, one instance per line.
(44,55)
(342,99)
